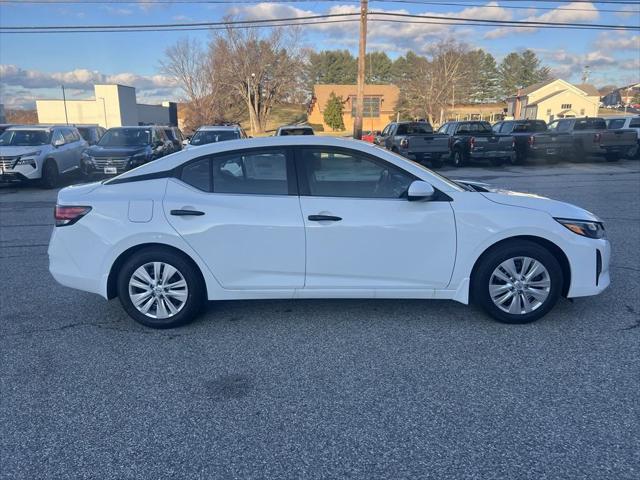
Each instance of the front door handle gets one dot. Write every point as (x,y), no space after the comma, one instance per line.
(184,213)
(324,218)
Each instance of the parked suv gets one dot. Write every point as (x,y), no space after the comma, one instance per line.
(214,134)
(91,133)
(40,152)
(124,148)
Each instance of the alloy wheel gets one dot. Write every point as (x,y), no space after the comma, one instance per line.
(519,285)
(158,290)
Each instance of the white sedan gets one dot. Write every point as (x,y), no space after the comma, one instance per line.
(317,217)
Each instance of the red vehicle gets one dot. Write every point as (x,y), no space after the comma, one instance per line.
(370,135)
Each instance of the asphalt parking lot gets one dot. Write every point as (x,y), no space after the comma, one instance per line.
(324,389)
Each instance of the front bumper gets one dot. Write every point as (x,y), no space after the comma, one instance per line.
(21,172)
(589,263)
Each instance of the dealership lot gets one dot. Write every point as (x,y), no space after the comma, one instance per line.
(311,389)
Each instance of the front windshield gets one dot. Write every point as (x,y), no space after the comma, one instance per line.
(204,137)
(126,137)
(24,138)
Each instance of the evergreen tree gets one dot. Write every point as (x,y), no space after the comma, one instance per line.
(378,68)
(332,67)
(333,112)
(520,70)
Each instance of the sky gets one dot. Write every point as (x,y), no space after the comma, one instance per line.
(34,66)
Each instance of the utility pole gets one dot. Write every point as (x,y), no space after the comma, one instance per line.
(357,124)
(64,101)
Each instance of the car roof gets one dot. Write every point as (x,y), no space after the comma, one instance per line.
(296,127)
(35,127)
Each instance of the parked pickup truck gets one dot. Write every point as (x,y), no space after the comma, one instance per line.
(474,140)
(416,141)
(630,122)
(591,137)
(532,139)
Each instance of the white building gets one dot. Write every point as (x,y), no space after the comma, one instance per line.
(113,106)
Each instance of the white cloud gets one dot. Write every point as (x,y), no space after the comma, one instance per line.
(618,41)
(575,12)
(21,86)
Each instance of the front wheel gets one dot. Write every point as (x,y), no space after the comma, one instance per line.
(50,175)
(160,288)
(517,283)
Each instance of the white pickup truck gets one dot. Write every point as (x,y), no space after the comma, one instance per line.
(631,122)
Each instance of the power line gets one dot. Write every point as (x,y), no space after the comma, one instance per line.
(374,15)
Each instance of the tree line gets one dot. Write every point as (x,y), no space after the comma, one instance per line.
(245,72)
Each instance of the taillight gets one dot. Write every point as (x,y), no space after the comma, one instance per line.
(404,143)
(597,137)
(68,215)
(532,141)
(472,143)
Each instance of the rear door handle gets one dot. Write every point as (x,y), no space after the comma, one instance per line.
(184,213)
(324,218)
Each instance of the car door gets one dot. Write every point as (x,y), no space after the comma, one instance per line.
(240,212)
(61,152)
(362,232)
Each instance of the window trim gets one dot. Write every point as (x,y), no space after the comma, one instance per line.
(303,185)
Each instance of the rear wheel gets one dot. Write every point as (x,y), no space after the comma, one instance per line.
(50,174)
(517,283)
(458,158)
(160,288)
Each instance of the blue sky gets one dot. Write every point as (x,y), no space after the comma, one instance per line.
(32,66)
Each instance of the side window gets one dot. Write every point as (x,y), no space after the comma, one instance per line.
(198,174)
(68,135)
(57,137)
(565,126)
(385,132)
(496,128)
(254,172)
(342,173)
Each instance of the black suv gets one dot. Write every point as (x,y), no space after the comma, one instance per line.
(123,148)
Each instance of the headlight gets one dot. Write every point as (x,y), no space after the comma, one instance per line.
(583,227)
(139,158)
(28,158)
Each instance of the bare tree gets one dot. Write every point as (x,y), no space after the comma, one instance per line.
(261,69)
(188,63)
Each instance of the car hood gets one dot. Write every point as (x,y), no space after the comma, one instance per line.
(98,151)
(554,208)
(16,151)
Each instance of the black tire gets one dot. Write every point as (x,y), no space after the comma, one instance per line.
(493,258)
(496,162)
(612,157)
(50,174)
(195,285)
(458,158)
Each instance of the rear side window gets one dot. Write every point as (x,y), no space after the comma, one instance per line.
(615,124)
(198,174)
(253,173)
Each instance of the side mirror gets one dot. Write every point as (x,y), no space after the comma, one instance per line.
(185,142)
(419,190)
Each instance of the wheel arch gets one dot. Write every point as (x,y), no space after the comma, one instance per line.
(554,249)
(112,279)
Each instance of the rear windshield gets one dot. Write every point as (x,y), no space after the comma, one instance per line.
(414,129)
(530,127)
(615,124)
(204,137)
(475,127)
(24,138)
(296,131)
(126,137)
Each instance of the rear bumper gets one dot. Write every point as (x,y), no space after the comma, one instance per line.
(490,154)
